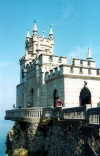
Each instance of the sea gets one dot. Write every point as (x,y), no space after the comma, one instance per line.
(5,127)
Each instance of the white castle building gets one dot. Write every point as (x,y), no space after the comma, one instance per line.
(44,76)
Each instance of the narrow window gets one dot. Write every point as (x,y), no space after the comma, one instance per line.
(55,95)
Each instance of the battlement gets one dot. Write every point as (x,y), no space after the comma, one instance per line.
(44,59)
(52,59)
(45,41)
(72,70)
(84,63)
(35,42)
(77,67)
(30,65)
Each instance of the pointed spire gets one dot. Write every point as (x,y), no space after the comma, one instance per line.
(89,54)
(51,31)
(43,34)
(35,27)
(28,34)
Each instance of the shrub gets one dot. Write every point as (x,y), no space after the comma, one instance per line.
(20,152)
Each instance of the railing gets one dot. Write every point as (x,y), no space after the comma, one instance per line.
(36,112)
(91,116)
(74,113)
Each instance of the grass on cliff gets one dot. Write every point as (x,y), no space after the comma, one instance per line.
(20,152)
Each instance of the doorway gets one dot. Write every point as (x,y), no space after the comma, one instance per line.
(85,96)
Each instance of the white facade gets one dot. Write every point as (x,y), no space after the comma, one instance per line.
(44,76)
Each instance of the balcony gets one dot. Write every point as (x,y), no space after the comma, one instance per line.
(33,115)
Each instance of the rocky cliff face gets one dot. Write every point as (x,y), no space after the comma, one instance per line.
(54,138)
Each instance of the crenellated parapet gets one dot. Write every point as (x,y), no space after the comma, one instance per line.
(77,68)
(52,59)
(84,63)
(41,44)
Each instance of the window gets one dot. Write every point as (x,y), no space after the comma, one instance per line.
(55,95)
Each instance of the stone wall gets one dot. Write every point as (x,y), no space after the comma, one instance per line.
(57,84)
(72,89)
(55,138)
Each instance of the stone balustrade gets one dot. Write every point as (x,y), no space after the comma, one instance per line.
(93,116)
(34,114)
(74,113)
(27,113)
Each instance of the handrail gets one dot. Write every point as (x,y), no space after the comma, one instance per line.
(91,115)
(74,113)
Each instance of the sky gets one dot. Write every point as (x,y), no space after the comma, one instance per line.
(76,26)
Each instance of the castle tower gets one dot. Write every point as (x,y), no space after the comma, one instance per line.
(35,37)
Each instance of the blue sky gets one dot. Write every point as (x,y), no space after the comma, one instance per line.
(76,25)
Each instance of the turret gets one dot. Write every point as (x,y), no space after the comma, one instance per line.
(35,29)
(89,54)
(28,36)
(51,32)
(43,34)
(35,37)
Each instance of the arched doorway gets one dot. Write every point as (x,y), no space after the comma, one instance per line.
(85,96)
(55,97)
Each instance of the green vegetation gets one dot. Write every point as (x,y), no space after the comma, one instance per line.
(20,152)
(46,122)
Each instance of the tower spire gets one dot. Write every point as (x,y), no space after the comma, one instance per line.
(89,54)
(35,28)
(51,32)
(43,34)
(28,35)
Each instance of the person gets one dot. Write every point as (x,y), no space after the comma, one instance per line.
(59,102)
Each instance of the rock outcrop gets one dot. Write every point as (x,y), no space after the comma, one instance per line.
(54,138)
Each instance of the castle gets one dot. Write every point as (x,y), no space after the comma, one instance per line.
(41,126)
(44,76)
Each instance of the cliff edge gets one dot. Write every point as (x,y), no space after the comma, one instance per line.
(54,138)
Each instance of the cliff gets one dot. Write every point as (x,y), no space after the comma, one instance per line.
(54,138)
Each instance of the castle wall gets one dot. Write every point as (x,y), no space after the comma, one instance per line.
(20,96)
(72,89)
(57,84)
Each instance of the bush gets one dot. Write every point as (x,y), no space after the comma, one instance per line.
(20,152)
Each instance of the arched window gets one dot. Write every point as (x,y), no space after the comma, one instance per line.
(55,97)
(85,96)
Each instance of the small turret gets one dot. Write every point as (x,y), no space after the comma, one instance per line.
(89,54)
(51,32)
(28,36)
(35,29)
(35,37)
(43,34)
